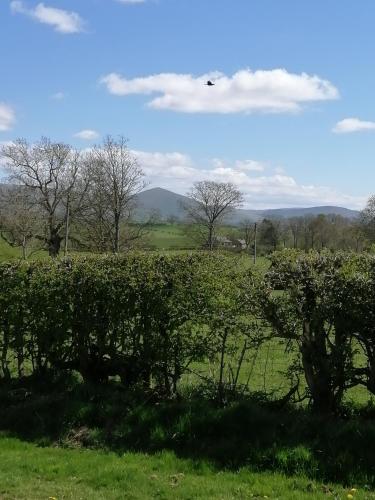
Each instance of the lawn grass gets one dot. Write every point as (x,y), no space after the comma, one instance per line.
(29,472)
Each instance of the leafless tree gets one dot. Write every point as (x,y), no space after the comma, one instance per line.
(115,180)
(210,203)
(296,228)
(20,219)
(50,171)
(247,231)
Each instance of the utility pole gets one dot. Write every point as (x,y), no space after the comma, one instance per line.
(255,243)
(67,227)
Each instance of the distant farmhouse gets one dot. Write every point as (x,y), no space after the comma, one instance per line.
(224,242)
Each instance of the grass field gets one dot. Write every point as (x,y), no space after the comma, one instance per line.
(7,252)
(169,236)
(29,472)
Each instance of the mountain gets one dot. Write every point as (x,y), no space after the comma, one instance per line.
(166,204)
(161,203)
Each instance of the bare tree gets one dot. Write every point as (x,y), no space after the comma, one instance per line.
(115,180)
(20,219)
(247,230)
(49,170)
(210,203)
(296,227)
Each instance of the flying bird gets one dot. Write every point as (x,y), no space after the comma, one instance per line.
(210,84)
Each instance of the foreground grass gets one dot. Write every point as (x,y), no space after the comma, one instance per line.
(254,434)
(29,472)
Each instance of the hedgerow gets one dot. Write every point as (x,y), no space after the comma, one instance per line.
(146,319)
(141,318)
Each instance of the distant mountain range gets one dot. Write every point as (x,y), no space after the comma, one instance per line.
(166,204)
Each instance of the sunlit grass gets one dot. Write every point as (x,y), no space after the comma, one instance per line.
(28,472)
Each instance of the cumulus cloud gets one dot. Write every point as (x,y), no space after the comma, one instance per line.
(241,165)
(350,125)
(263,187)
(7,117)
(62,21)
(269,91)
(175,166)
(87,135)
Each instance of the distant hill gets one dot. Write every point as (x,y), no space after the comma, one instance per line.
(160,202)
(298,212)
(166,204)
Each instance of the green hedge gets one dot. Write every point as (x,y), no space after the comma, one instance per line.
(141,317)
(146,319)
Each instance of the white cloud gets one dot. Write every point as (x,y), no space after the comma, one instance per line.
(175,166)
(59,96)
(63,21)
(269,91)
(177,172)
(249,166)
(7,117)
(349,125)
(87,135)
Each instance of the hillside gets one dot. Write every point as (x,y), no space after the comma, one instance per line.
(165,204)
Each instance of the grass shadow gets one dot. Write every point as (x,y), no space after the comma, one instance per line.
(249,433)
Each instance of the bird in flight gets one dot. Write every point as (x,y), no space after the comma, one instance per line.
(210,84)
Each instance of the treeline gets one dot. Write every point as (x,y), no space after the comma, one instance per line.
(314,233)
(59,197)
(148,319)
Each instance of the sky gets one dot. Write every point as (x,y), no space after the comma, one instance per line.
(290,119)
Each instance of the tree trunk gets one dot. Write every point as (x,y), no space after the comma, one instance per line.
(54,243)
(117,234)
(24,248)
(317,370)
(4,354)
(222,366)
(210,237)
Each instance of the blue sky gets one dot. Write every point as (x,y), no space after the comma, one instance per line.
(291,119)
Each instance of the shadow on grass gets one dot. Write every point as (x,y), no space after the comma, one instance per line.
(249,433)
